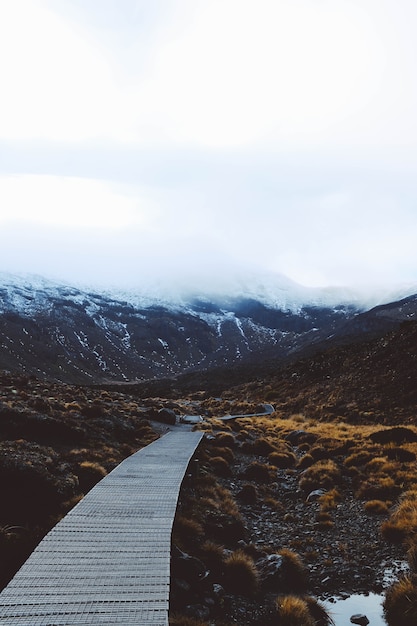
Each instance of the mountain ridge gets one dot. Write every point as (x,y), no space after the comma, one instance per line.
(61,332)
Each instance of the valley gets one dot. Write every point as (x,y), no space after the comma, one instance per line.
(313,500)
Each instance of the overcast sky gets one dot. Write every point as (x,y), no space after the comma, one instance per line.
(143,138)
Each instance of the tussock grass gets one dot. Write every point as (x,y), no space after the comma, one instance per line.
(379,488)
(294,610)
(402,524)
(89,473)
(400,604)
(295,572)
(329,500)
(240,574)
(376,506)
(282,460)
(259,472)
(220,466)
(187,532)
(323,474)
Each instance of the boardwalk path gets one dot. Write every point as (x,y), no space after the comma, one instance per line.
(108,561)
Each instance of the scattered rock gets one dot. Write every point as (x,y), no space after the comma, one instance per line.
(197,611)
(187,568)
(315,495)
(360,619)
(270,570)
(167,416)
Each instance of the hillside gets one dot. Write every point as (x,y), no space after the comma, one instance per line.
(374,379)
(66,334)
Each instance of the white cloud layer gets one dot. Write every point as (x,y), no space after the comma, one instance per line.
(187,137)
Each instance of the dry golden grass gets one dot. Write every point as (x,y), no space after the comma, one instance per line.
(240,574)
(220,466)
(379,488)
(400,604)
(376,506)
(412,556)
(89,473)
(294,570)
(282,460)
(259,472)
(187,532)
(293,611)
(402,524)
(212,554)
(226,453)
(323,474)
(330,500)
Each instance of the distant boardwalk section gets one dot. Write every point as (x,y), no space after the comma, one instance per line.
(108,561)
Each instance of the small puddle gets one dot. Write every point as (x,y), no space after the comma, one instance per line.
(366,604)
(369,605)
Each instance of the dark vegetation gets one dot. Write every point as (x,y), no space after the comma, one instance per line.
(56,442)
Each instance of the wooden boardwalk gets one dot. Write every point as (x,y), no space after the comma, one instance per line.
(108,561)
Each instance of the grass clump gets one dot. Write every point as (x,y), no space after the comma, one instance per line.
(376,506)
(89,473)
(379,488)
(240,574)
(400,604)
(323,474)
(282,460)
(294,610)
(402,524)
(220,466)
(259,472)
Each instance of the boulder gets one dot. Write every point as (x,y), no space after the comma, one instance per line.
(360,619)
(166,416)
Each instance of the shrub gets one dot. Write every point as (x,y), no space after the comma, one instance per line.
(400,454)
(400,604)
(319,613)
(240,575)
(397,434)
(358,459)
(212,554)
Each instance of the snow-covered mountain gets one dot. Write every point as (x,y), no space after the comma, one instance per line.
(71,334)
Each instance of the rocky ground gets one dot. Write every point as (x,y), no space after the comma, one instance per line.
(323,518)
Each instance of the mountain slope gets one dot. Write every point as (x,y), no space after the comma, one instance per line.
(67,334)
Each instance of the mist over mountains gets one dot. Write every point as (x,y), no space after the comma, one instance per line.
(72,334)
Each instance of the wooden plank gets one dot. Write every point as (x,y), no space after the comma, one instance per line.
(107,562)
